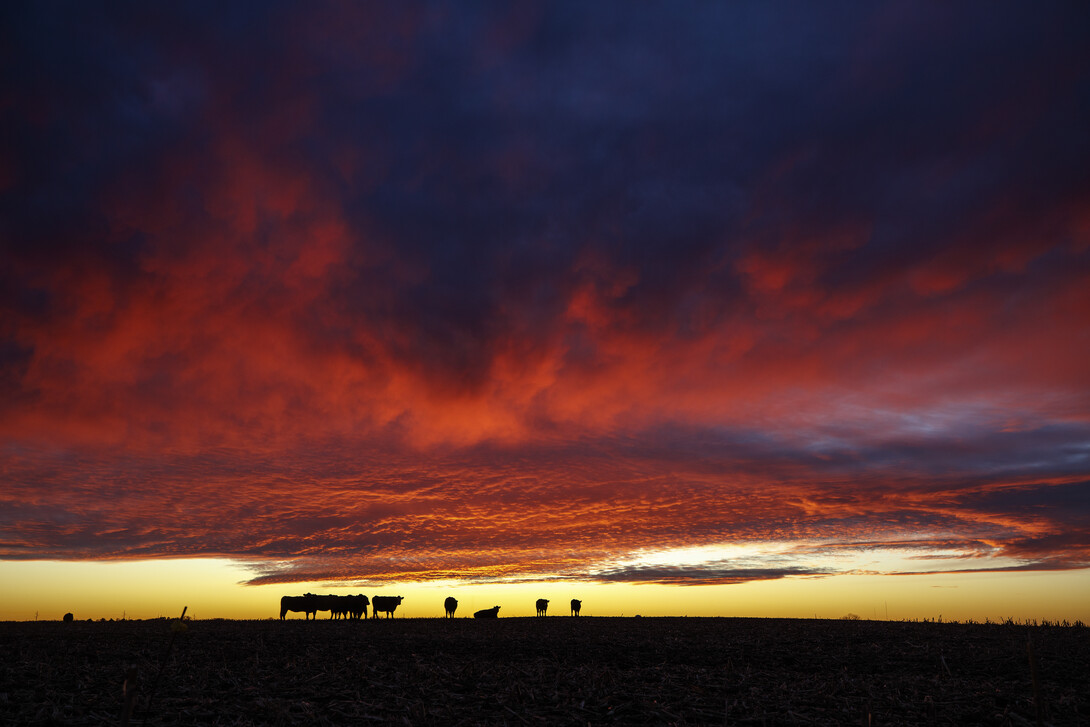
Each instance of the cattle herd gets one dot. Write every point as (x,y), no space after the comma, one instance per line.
(355,607)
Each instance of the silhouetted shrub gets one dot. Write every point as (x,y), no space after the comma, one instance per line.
(68,618)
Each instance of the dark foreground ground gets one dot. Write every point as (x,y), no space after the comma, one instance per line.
(555,670)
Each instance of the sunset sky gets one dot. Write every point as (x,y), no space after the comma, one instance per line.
(756,309)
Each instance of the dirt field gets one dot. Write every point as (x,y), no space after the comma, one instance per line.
(555,670)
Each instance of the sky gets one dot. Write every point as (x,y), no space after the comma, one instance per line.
(687,308)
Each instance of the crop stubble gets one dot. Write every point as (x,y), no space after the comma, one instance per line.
(554,670)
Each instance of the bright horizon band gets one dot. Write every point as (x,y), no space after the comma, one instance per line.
(717,309)
(212,589)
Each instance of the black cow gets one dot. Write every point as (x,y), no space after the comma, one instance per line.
(324,603)
(575,605)
(357,605)
(493,612)
(451,605)
(542,604)
(304,604)
(385,604)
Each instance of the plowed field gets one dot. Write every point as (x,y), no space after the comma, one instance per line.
(555,670)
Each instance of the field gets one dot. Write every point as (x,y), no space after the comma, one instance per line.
(555,670)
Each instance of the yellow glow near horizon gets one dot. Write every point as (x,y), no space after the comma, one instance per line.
(215,588)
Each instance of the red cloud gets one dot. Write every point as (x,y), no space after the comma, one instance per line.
(321,315)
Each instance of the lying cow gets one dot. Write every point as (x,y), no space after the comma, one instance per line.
(385,604)
(493,612)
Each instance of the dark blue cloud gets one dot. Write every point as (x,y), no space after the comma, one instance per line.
(647,135)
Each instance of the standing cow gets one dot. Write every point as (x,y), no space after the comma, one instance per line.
(385,604)
(304,604)
(451,605)
(493,612)
(575,606)
(324,602)
(357,606)
(542,605)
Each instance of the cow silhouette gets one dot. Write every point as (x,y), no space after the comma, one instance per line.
(575,606)
(357,606)
(385,604)
(324,603)
(542,605)
(493,612)
(304,604)
(451,605)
